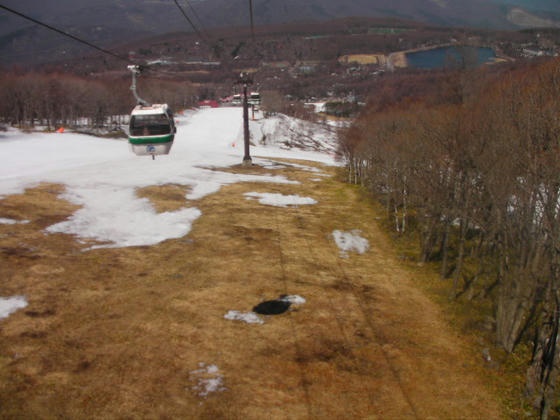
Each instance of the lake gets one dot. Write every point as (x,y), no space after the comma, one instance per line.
(450,57)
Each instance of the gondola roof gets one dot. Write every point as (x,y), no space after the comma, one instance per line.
(152,109)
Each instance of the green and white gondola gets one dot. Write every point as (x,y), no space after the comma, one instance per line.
(152,130)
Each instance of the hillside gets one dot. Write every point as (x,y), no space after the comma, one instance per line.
(140,277)
(449,12)
(110,23)
(538,6)
(302,60)
(342,60)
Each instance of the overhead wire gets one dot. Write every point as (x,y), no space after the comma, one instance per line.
(89,44)
(75,38)
(194,12)
(120,57)
(105,51)
(200,35)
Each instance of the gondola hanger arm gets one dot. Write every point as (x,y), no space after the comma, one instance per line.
(135,70)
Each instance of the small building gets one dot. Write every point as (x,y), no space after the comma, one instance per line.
(208,103)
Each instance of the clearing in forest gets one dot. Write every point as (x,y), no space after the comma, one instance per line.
(142,332)
(140,279)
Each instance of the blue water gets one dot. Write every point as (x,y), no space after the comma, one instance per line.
(450,57)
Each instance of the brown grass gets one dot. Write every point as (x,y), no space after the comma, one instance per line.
(117,333)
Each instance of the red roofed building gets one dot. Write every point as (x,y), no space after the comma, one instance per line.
(208,103)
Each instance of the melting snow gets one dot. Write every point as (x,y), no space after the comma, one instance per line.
(280,200)
(122,219)
(350,241)
(286,133)
(214,180)
(304,167)
(10,305)
(102,175)
(4,221)
(272,165)
(293,299)
(248,317)
(208,380)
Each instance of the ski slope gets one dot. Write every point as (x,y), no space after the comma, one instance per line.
(102,175)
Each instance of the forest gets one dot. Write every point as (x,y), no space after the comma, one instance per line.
(471,173)
(55,99)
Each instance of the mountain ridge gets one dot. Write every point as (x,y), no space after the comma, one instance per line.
(113,22)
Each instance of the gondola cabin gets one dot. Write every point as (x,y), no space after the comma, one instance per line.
(237,99)
(152,130)
(254,99)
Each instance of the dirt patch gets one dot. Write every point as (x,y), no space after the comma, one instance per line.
(140,332)
(37,204)
(398,60)
(169,197)
(363,59)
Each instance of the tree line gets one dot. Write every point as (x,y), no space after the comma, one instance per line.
(56,99)
(473,172)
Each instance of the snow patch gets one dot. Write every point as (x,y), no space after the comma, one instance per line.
(248,317)
(208,380)
(291,133)
(122,219)
(214,180)
(270,164)
(350,241)
(5,221)
(304,167)
(280,200)
(10,305)
(319,106)
(102,175)
(293,299)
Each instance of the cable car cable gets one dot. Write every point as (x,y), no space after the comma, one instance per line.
(75,38)
(194,13)
(191,23)
(207,37)
(158,124)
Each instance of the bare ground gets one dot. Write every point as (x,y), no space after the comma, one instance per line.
(126,333)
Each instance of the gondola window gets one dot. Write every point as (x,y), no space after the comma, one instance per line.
(141,125)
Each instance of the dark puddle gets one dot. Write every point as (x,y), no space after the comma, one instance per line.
(272,307)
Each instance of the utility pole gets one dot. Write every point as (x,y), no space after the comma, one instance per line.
(245,81)
(252,22)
